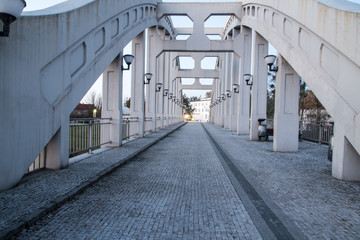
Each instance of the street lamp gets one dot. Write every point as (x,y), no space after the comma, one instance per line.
(270,60)
(9,11)
(148,77)
(128,60)
(228,93)
(158,87)
(235,88)
(94,113)
(248,79)
(165,92)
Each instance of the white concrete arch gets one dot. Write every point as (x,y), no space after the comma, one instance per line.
(326,55)
(48,63)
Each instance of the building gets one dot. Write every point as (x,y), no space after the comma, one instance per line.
(202,110)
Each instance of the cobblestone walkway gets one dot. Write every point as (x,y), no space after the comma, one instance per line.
(299,183)
(177,189)
(42,191)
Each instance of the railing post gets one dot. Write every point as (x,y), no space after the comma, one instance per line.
(90,137)
(320,130)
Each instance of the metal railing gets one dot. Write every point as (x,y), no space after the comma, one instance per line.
(85,134)
(319,132)
(126,127)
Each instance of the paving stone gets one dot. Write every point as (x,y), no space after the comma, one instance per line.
(300,184)
(39,191)
(177,189)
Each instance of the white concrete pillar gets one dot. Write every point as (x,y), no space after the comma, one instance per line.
(227,81)
(286,116)
(243,124)
(165,101)
(112,102)
(234,101)
(259,88)
(57,150)
(137,85)
(345,159)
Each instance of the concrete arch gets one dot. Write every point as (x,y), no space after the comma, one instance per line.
(316,49)
(52,58)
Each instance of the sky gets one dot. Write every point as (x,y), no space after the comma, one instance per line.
(97,87)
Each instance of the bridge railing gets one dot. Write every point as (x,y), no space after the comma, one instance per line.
(319,132)
(126,125)
(85,134)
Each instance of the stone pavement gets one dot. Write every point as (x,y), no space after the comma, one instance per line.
(41,192)
(180,189)
(300,184)
(176,189)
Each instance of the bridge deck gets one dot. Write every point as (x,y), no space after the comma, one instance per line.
(187,186)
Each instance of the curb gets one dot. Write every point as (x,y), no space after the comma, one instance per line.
(59,201)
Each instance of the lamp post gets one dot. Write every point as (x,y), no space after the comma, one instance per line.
(158,87)
(165,92)
(235,88)
(228,93)
(248,79)
(9,11)
(148,77)
(128,60)
(270,60)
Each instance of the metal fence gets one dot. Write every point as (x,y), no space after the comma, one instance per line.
(127,121)
(319,132)
(85,134)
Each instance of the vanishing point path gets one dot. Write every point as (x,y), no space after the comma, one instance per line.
(202,182)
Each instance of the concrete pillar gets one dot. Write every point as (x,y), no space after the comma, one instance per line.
(234,101)
(165,101)
(227,81)
(112,102)
(243,124)
(259,88)
(137,85)
(345,159)
(57,150)
(286,116)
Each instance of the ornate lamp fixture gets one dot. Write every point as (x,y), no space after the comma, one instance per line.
(248,79)
(228,93)
(148,77)
(165,92)
(270,60)
(158,87)
(9,11)
(128,60)
(235,88)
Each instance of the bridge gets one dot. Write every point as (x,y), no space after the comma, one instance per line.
(52,57)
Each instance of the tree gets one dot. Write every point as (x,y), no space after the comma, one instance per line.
(270,106)
(193,99)
(208,94)
(95,102)
(303,95)
(315,111)
(188,108)
(127,103)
